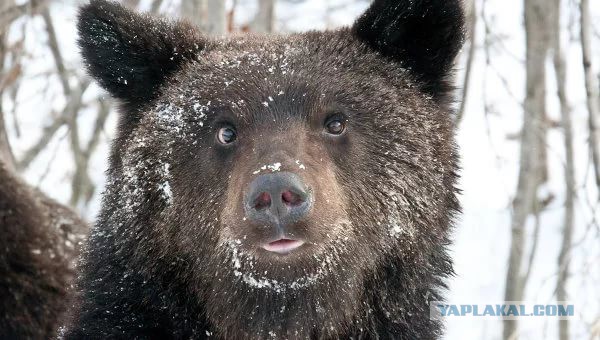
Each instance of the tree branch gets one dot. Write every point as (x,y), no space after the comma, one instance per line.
(560,70)
(58,59)
(591,87)
(470,60)
(6,156)
(532,159)
(264,20)
(75,103)
(14,12)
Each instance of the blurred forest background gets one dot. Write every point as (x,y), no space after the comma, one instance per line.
(528,122)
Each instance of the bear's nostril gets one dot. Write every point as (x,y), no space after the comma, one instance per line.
(290,198)
(277,199)
(263,201)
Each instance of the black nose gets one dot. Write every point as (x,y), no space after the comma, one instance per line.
(278,199)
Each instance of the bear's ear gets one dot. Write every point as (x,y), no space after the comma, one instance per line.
(132,54)
(423,36)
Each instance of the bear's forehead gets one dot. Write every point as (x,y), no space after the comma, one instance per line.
(267,57)
(299,75)
(317,63)
(307,56)
(264,48)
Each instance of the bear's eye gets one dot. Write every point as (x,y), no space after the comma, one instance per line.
(335,125)
(226,135)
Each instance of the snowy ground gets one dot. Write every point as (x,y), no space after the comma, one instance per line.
(489,159)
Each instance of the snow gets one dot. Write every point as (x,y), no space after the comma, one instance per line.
(275,167)
(489,175)
(300,165)
(165,185)
(489,159)
(255,280)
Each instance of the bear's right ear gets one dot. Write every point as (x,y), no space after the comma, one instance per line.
(130,54)
(424,36)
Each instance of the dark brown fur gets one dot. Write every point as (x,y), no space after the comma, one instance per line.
(173,255)
(39,244)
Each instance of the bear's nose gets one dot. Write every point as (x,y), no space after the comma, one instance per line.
(278,199)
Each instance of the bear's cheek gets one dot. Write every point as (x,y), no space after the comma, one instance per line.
(329,220)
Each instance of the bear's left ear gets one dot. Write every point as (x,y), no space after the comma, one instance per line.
(422,35)
(131,55)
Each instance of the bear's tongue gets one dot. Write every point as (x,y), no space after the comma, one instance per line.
(282,246)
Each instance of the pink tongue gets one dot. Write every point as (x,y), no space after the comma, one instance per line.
(283,245)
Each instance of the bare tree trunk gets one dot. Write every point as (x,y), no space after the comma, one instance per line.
(81,180)
(560,68)
(264,21)
(217,18)
(132,3)
(532,144)
(591,86)
(194,11)
(209,15)
(10,11)
(472,19)
(6,155)
(155,6)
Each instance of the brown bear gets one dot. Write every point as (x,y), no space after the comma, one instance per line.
(39,245)
(289,187)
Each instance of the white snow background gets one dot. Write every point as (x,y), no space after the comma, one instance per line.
(489,157)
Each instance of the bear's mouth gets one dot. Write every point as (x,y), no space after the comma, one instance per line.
(283,246)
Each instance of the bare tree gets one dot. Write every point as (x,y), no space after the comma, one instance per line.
(472,20)
(591,86)
(10,11)
(209,15)
(155,7)
(81,184)
(560,70)
(217,18)
(531,173)
(264,20)
(6,155)
(194,11)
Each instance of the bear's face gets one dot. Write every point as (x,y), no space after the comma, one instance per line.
(352,139)
(286,167)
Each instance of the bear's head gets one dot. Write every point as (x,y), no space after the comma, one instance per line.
(291,184)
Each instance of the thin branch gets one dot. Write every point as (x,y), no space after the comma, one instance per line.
(264,20)
(470,60)
(132,3)
(591,87)
(155,7)
(103,113)
(54,48)
(82,185)
(532,152)
(14,12)
(51,161)
(532,252)
(75,103)
(560,68)
(10,77)
(6,155)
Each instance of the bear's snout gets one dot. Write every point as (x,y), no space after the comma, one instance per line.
(278,200)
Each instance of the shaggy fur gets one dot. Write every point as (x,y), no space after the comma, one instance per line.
(172,254)
(39,242)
